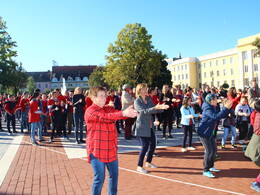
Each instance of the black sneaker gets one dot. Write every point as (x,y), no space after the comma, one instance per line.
(82,141)
(234,146)
(170,136)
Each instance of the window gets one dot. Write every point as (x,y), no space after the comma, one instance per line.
(232,83)
(205,74)
(181,67)
(186,76)
(77,79)
(204,65)
(199,76)
(54,79)
(255,67)
(54,85)
(246,68)
(174,78)
(179,77)
(210,63)
(85,84)
(211,73)
(70,78)
(70,85)
(77,84)
(85,79)
(186,67)
(178,68)
(198,66)
(217,72)
(231,72)
(245,57)
(39,85)
(216,62)
(246,81)
(182,77)
(231,60)
(224,61)
(46,85)
(224,72)
(174,69)
(218,84)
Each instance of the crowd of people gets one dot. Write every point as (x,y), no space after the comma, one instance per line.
(140,111)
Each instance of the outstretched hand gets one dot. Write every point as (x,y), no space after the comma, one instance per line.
(162,106)
(130,112)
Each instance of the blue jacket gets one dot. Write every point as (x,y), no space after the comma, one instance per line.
(210,116)
(185,115)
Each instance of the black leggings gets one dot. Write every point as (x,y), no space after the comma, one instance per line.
(167,120)
(243,129)
(147,143)
(187,130)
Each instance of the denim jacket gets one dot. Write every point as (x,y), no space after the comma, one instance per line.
(185,115)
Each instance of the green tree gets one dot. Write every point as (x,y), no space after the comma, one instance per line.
(97,78)
(165,76)
(30,85)
(19,80)
(256,43)
(7,53)
(132,58)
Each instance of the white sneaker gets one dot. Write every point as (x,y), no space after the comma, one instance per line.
(151,165)
(191,148)
(213,169)
(241,142)
(142,170)
(183,150)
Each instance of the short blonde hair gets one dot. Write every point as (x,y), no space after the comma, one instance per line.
(139,87)
(76,91)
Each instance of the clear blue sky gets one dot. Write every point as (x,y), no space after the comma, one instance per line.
(78,32)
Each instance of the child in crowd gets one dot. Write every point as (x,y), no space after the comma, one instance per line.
(242,111)
(56,110)
(187,121)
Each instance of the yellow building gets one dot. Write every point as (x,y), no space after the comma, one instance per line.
(234,66)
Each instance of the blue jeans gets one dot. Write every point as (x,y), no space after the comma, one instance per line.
(99,176)
(24,121)
(39,130)
(78,121)
(226,132)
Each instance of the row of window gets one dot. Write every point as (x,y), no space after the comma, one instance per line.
(224,61)
(255,68)
(70,85)
(70,79)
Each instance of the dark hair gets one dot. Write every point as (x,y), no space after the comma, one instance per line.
(257,106)
(35,95)
(37,90)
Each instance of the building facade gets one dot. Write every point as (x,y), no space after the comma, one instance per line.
(235,67)
(75,76)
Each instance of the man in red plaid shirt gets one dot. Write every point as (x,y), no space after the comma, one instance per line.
(101,142)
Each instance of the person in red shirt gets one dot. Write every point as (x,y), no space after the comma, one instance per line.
(234,97)
(10,108)
(101,143)
(24,106)
(34,119)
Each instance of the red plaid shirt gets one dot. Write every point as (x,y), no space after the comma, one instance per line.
(102,134)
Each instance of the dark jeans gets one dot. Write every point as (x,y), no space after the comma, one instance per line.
(177,115)
(167,120)
(78,121)
(128,127)
(55,126)
(187,129)
(243,129)
(10,119)
(70,121)
(210,152)
(99,176)
(148,144)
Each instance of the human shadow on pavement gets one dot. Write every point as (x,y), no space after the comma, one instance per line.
(238,173)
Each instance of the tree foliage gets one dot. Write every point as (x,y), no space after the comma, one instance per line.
(132,58)
(165,76)
(8,66)
(30,85)
(96,78)
(256,43)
